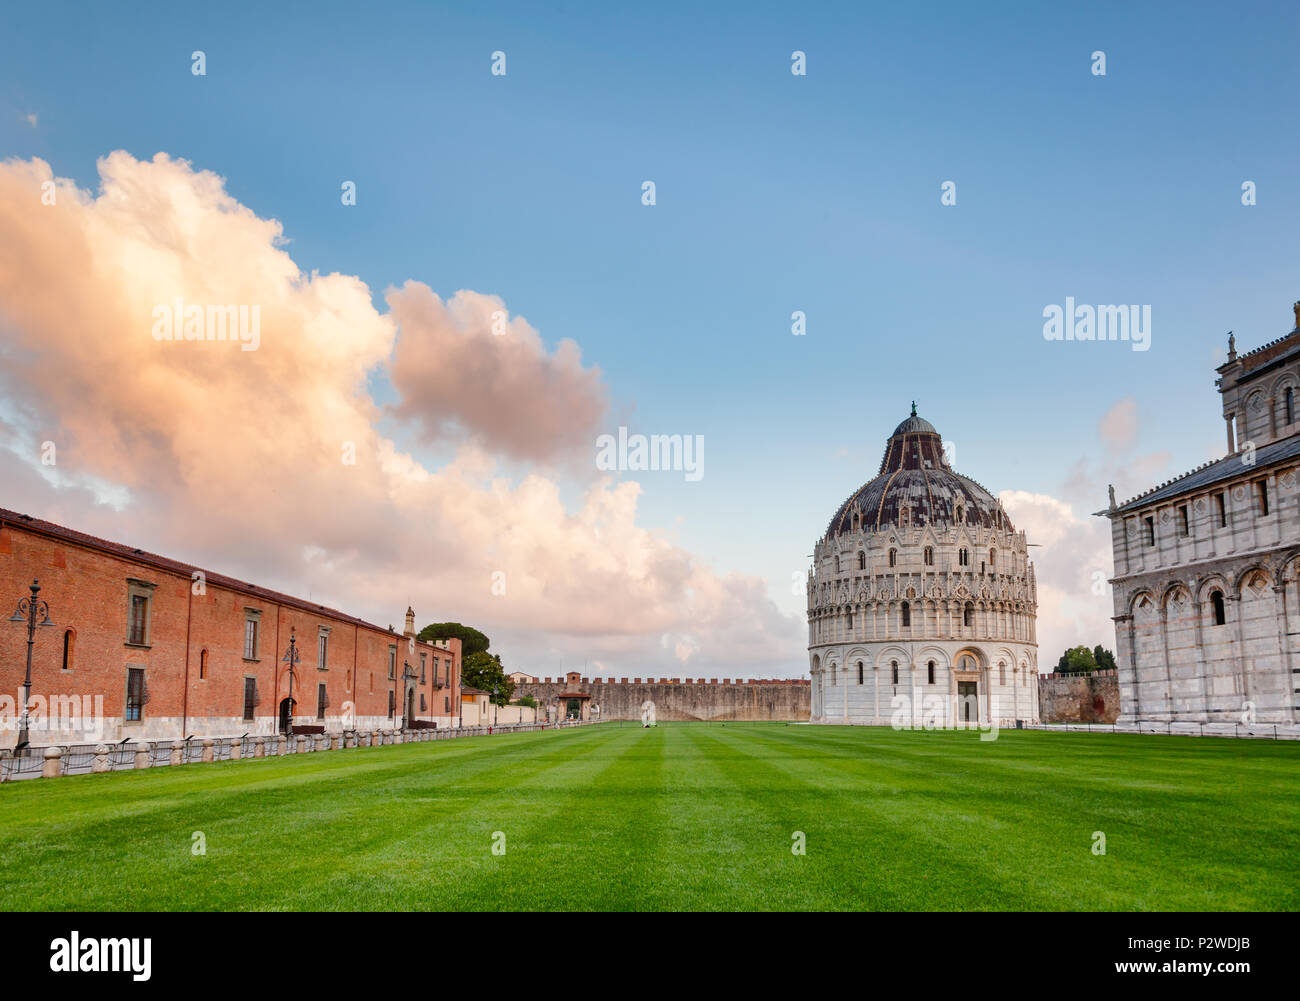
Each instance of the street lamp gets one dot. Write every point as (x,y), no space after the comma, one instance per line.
(291,657)
(26,612)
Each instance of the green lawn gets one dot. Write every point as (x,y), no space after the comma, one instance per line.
(684,816)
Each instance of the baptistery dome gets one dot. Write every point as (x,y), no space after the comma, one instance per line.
(921,591)
(916,486)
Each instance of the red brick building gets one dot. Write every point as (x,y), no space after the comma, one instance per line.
(148,647)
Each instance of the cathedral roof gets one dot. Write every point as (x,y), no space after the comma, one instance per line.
(1219,471)
(917,486)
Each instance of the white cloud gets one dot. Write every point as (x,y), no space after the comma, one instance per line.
(234,460)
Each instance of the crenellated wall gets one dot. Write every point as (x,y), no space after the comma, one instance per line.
(687,699)
(1079,699)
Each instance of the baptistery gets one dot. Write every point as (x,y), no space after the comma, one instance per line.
(921,599)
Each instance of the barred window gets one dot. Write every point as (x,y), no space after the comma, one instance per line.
(139,619)
(250,697)
(134,694)
(392,703)
(250,638)
(321,701)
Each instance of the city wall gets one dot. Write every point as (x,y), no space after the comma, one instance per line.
(1079,699)
(688,698)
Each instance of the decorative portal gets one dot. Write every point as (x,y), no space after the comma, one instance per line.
(648,714)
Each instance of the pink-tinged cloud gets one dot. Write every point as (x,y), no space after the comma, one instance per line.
(1072,567)
(269,464)
(466,370)
(1118,425)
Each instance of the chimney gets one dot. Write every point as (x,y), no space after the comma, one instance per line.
(410,621)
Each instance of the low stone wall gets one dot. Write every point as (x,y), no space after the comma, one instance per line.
(1090,698)
(78,759)
(687,699)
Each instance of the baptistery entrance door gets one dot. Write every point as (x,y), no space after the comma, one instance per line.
(968,701)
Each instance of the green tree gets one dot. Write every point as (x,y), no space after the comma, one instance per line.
(471,640)
(1077,660)
(483,670)
(1104,658)
(526,700)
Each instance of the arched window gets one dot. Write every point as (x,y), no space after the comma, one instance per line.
(832,674)
(69,642)
(968,614)
(1220,615)
(849,620)
(203,664)
(859,672)
(930,671)
(893,557)
(862,560)
(993,560)
(907,615)
(837,564)
(1002,672)
(1290,405)
(929,556)
(961,514)
(963,557)
(893,666)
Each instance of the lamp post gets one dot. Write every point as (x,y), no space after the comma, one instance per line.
(291,657)
(26,612)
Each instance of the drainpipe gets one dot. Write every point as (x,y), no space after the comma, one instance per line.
(185,695)
(275,673)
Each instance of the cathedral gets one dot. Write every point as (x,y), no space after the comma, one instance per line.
(921,599)
(1207,565)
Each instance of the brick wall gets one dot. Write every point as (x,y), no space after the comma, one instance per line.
(1091,699)
(190,634)
(687,699)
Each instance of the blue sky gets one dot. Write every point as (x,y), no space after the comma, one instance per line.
(775,193)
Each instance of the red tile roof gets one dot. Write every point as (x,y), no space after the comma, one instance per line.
(51,530)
